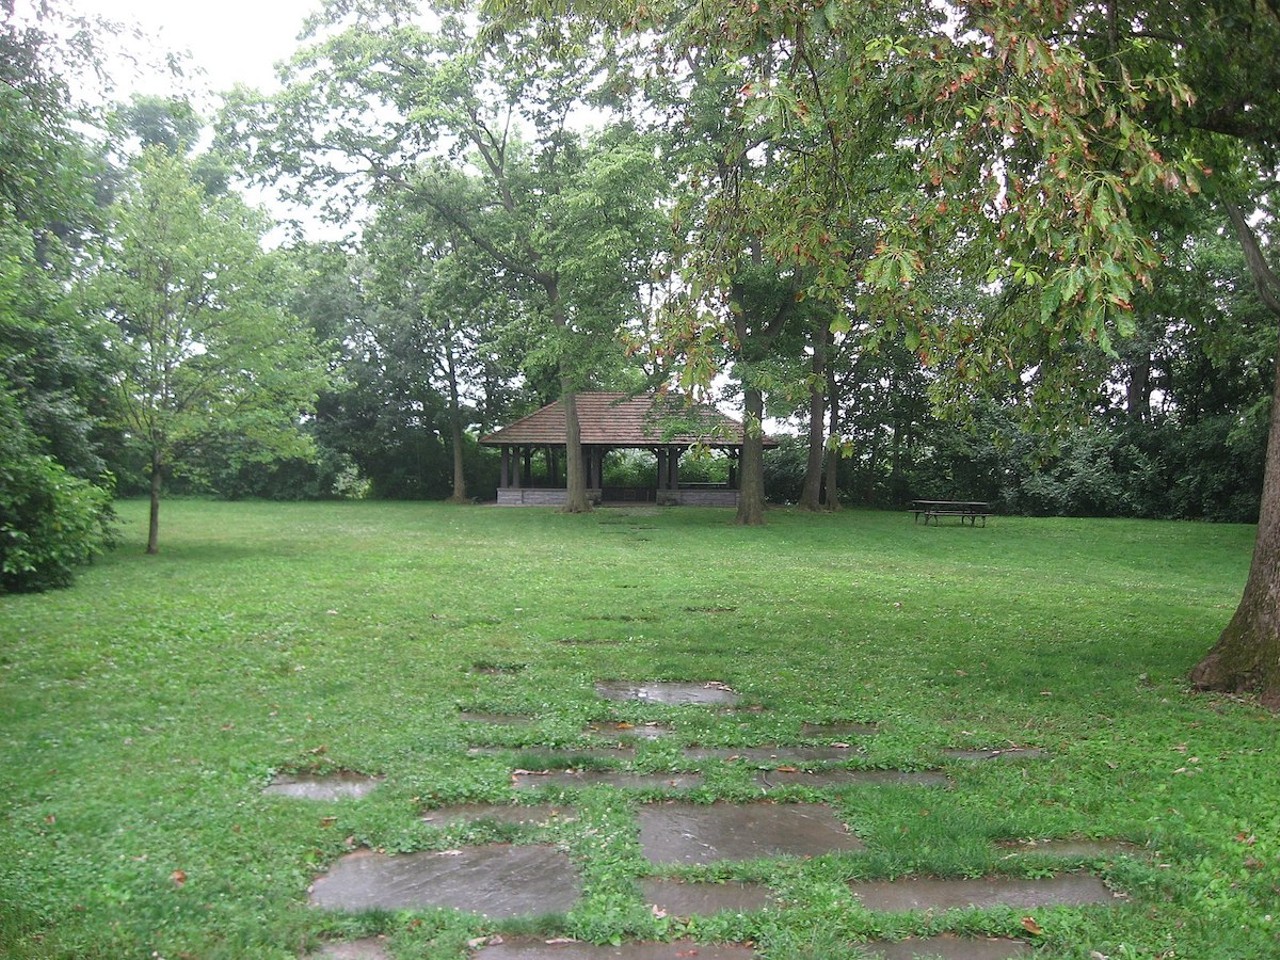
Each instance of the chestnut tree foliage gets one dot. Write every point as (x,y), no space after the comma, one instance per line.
(1035,148)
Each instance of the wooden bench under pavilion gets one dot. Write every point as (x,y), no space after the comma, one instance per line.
(666,426)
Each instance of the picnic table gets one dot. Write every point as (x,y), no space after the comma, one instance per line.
(970,511)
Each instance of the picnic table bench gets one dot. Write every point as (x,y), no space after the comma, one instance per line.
(967,510)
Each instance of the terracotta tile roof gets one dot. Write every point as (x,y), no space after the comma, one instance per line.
(621,420)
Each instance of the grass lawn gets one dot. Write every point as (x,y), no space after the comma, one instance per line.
(143,711)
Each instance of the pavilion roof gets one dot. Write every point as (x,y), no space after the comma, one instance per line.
(623,420)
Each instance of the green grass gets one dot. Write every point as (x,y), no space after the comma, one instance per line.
(143,711)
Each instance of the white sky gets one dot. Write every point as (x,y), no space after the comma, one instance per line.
(232,41)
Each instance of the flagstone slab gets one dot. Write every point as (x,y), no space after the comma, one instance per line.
(331,786)
(948,947)
(689,833)
(689,898)
(925,893)
(676,950)
(838,728)
(530,780)
(538,814)
(839,779)
(1007,753)
(496,880)
(775,756)
(711,693)
(623,730)
(1078,849)
(370,948)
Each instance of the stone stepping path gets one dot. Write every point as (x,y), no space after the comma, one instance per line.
(689,833)
(505,881)
(900,896)
(677,950)
(496,880)
(680,898)
(540,814)
(332,786)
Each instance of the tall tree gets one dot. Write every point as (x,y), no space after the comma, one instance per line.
(486,139)
(198,329)
(1039,131)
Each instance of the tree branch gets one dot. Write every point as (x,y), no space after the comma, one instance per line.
(1264,277)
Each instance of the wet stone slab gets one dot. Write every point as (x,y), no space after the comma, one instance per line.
(775,756)
(677,950)
(539,814)
(332,786)
(497,880)
(839,779)
(687,833)
(898,896)
(685,899)
(370,948)
(528,780)
(947,947)
(711,693)
(1073,849)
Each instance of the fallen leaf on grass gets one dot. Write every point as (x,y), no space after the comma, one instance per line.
(1029,924)
(179,877)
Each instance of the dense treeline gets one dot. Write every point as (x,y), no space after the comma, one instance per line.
(504,254)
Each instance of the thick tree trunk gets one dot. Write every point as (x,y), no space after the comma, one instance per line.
(575,476)
(153,524)
(811,496)
(1246,657)
(751,489)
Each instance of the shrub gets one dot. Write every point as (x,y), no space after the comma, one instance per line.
(50,521)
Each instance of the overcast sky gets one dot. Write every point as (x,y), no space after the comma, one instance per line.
(233,41)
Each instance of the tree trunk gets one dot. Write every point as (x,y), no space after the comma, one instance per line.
(833,430)
(153,525)
(1246,657)
(575,476)
(1138,389)
(810,497)
(751,488)
(455,433)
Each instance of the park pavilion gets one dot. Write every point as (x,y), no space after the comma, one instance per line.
(666,426)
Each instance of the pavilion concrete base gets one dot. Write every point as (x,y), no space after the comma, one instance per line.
(556,496)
